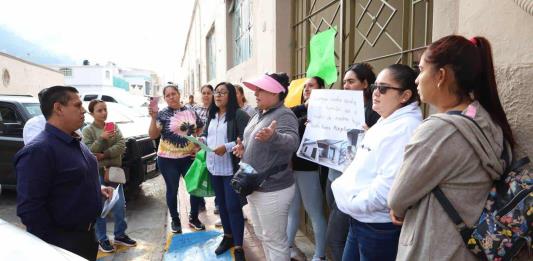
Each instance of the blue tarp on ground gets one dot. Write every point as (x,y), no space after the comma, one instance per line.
(196,246)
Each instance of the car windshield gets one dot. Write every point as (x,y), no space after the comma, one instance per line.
(137,105)
(33,109)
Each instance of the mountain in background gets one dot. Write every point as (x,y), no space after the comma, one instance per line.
(13,44)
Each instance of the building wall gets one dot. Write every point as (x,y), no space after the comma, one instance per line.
(89,76)
(271,34)
(137,84)
(509,29)
(26,77)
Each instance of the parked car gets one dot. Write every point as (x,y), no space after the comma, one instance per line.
(14,112)
(18,242)
(136,103)
(139,161)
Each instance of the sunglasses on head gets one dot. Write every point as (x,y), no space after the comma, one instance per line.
(383,88)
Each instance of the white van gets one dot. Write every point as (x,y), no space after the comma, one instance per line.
(137,103)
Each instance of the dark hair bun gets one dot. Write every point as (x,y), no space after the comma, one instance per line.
(282,78)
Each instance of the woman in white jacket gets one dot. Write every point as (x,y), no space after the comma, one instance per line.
(362,190)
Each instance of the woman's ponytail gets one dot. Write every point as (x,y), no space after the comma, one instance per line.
(471,62)
(486,91)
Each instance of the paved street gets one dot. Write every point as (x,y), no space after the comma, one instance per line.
(148,223)
(146,217)
(8,207)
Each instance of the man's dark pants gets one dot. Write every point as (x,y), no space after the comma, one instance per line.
(79,242)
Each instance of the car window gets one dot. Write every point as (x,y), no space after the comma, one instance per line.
(33,109)
(108,98)
(114,115)
(8,115)
(90,97)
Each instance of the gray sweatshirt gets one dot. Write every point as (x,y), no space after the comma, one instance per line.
(448,151)
(276,151)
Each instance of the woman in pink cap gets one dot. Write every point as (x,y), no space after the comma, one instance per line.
(269,140)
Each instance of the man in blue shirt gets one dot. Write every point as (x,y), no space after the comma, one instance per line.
(58,191)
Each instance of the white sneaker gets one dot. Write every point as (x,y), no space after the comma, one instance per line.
(297,254)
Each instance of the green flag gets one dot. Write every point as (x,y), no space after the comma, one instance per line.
(322,56)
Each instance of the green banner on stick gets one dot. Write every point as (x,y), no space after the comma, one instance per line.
(322,56)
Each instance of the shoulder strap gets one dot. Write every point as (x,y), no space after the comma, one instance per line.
(520,163)
(505,152)
(460,225)
(271,171)
(459,113)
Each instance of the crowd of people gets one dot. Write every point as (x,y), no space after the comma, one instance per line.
(380,207)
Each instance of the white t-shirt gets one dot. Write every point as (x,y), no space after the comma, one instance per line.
(33,127)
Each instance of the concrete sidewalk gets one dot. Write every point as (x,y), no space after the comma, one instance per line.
(149,224)
(252,245)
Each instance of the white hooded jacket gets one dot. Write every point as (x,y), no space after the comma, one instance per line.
(362,190)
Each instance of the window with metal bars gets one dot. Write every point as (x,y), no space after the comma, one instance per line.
(241,21)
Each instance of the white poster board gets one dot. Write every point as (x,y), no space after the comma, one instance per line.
(334,128)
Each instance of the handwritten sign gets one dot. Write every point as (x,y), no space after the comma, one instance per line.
(334,127)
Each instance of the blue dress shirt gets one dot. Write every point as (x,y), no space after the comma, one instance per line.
(57,184)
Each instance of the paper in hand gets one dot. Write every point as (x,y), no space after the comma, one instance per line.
(110,202)
(201,144)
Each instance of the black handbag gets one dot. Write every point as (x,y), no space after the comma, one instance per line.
(244,183)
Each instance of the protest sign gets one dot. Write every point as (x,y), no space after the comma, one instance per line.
(334,128)
(322,56)
(294,97)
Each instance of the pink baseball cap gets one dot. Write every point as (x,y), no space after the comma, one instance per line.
(266,83)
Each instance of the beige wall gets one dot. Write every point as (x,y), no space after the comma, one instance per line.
(26,77)
(510,31)
(271,50)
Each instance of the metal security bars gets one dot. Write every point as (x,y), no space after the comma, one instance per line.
(375,31)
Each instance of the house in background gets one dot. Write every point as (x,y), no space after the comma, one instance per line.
(89,77)
(141,82)
(21,77)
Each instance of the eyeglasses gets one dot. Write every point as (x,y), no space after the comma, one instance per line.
(220,93)
(383,88)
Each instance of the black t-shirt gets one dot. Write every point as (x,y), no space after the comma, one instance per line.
(371,117)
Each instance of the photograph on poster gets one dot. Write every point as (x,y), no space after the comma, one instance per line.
(334,128)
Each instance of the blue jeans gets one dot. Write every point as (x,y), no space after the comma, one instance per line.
(371,241)
(119,211)
(308,190)
(229,207)
(171,169)
(338,222)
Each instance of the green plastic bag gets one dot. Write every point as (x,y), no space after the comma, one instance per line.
(197,178)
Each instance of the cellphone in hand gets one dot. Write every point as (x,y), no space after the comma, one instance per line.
(109,127)
(154,100)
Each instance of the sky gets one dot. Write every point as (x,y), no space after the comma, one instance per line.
(131,33)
